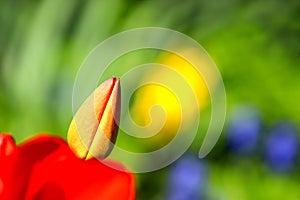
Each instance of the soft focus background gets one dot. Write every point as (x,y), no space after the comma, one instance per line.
(255,44)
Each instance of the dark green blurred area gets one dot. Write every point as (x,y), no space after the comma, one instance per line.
(255,44)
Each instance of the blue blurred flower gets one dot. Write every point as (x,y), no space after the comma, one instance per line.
(187,179)
(244,129)
(281,147)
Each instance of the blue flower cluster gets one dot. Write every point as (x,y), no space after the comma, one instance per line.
(279,145)
(187,179)
(244,130)
(245,136)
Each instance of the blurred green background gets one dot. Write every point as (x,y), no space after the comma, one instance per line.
(255,44)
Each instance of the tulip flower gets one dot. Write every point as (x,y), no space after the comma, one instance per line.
(47,168)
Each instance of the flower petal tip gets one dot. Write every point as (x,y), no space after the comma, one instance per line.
(7,144)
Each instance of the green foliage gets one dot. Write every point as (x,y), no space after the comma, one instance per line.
(255,44)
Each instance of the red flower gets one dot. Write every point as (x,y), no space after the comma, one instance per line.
(45,168)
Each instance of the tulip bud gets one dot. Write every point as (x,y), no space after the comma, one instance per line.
(93,130)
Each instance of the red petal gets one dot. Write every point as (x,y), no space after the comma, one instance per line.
(81,180)
(16,166)
(45,168)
